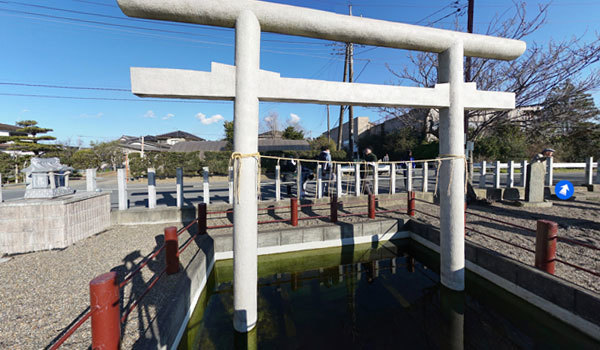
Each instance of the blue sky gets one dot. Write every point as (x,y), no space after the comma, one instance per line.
(91,44)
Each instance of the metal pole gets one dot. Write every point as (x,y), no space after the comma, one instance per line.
(171,250)
(205,186)
(104,303)
(452,228)
(545,245)
(151,188)
(245,141)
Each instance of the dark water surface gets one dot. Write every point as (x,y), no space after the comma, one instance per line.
(373,296)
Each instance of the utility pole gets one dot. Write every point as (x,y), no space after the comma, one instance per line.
(341,123)
(328,129)
(350,108)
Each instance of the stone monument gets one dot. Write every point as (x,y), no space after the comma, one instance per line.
(534,188)
(47,178)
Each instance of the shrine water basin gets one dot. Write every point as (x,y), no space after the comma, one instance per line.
(371,296)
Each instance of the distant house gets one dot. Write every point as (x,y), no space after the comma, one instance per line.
(133,144)
(264,145)
(175,137)
(11,130)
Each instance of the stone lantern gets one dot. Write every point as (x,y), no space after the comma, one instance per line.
(47,178)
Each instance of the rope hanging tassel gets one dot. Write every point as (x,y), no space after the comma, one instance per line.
(235,161)
(439,160)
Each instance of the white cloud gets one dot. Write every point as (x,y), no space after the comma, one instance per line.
(24,111)
(149,114)
(168,116)
(293,119)
(206,121)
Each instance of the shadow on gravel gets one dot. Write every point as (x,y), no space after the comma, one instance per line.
(505,228)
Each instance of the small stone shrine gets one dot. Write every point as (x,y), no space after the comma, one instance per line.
(47,178)
(534,188)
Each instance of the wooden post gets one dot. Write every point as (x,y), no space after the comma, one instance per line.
(294,211)
(171,250)
(104,303)
(545,245)
(202,218)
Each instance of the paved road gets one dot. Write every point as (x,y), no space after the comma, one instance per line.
(193,191)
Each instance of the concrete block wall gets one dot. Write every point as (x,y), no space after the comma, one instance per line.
(564,300)
(30,225)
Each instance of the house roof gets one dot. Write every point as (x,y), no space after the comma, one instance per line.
(8,127)
(264,145)
(179,135)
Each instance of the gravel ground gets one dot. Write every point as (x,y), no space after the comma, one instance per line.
(42,293)
(577,219)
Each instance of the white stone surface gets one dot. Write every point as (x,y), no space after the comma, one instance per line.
(205,186)
(245,141)
(357,179)
(483,174)
(392,178)
(511,174)
(589,170)
(425,177)
(152,189)
(90,180)
(277,183)
(523,173)
(294,20)
(549,171)
(452,172)
(122,187)
(497,174)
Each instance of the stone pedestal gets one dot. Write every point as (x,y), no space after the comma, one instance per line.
(28,225)
(534,189)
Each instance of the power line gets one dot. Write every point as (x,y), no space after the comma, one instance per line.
(64,87)
(109,98)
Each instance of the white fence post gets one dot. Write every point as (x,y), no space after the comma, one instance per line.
(277,183)
(1,199)
(230,185)
(598,172)
(549,171)
(497,175)
(179,178)
(205,186)
(319,181)
(90,180)
(299,180)
(511,174)
(589,170)
(339,181)
(122,185)
(523,173)
(425,176)
(376,178)
(483,174)
(357,179)
(151,188)
(392,178)
(409,181)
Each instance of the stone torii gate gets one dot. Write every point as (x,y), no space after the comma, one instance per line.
(246,84)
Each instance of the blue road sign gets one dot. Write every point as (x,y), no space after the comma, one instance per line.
(564,190)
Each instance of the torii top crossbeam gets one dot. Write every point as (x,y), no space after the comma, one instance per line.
(300,21)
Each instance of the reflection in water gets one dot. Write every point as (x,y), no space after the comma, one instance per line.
(453,313)
(376,299)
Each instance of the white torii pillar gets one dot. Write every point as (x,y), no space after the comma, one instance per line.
(452,171)
(245,141)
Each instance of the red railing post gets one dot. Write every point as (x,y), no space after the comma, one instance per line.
(545,245)
(104,304)
(371,206)
(333,208)
(202,218)
(171,250)
(410,203)
(294,211)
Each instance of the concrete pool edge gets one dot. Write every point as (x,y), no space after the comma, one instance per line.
(562,299)
(168,327)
